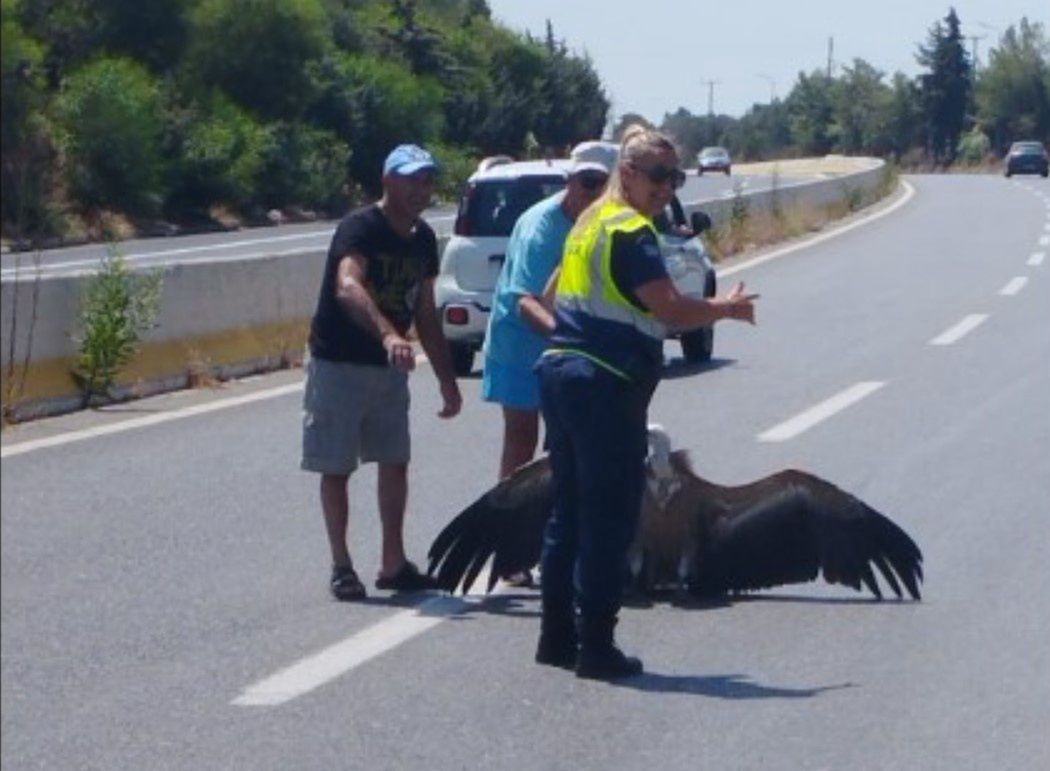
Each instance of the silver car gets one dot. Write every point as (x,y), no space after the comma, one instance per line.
(713,159)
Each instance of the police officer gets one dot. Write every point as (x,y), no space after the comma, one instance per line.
(613,303)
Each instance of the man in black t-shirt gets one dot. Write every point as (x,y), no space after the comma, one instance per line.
(378,280)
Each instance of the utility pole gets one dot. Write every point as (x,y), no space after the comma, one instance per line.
(772,86)
(710,95)
(973,41)
(831,55)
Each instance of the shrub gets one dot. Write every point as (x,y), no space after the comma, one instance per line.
(304,166)
(110,121)
(223,151)
(116,307)
(973,147)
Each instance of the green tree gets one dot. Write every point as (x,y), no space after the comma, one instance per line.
(860,113)
(111,122)
(945,87)
(27,163)
(627,120)
(810,110)
(904,113)
(763,132)
(572,105)
(516,69)
(1013,90)
(384,105)
(692,133)
(257,51)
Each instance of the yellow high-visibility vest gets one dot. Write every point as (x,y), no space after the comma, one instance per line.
(586,285)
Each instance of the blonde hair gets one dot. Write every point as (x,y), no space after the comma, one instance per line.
(639,142)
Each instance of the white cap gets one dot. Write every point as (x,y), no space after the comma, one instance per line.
(599,156)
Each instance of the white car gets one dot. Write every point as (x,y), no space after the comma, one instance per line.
(495,196)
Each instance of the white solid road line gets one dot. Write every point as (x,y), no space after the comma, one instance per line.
(1013,286)
(339,658)
(92,263)
(909,191)
(807,419)
(1036,259)
(956,332)
(149,420)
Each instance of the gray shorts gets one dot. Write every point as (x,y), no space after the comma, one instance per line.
(353,413)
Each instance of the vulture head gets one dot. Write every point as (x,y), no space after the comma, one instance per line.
(696,536)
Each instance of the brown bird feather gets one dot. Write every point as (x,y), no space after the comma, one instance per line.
(694,535)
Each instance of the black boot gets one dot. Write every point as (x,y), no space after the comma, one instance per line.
(599,657)
(558,640)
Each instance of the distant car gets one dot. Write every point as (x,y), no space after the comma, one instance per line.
(1027,158)
(713,159)
(495,196)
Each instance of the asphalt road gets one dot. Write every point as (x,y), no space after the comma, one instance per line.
(286,239)
(164,599)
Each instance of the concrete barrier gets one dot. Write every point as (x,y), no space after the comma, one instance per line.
(228,318)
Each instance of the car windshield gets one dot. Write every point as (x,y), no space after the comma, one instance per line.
(491,207)
(1027,148)
(709,152)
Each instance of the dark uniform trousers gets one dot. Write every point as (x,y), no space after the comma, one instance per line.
(596,436)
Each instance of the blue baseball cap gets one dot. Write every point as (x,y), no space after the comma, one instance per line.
(408,159)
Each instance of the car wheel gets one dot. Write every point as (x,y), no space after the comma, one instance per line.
(462,358)
(699,172)
(698,345)
(727,172)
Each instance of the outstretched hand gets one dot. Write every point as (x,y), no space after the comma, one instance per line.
(741,304)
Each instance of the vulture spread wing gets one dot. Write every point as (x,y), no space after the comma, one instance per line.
(786,528)
(506,522)
(791,526)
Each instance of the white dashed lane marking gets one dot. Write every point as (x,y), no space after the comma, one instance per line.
(339,658)
(961,329)
(1013,286)
(820,412)
(1036,259)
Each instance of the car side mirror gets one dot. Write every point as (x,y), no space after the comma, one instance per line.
(700,222)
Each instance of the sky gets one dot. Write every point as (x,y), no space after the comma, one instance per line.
(655,56)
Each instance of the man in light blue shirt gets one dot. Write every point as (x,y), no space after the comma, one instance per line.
(519,322)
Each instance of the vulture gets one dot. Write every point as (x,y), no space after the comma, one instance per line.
(695,536)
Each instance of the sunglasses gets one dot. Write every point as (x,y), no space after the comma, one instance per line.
(658,175)
(593,180)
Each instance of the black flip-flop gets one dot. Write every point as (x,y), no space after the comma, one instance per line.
(407,579)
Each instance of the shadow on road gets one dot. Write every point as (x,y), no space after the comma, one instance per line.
(720,686)
(680,367)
